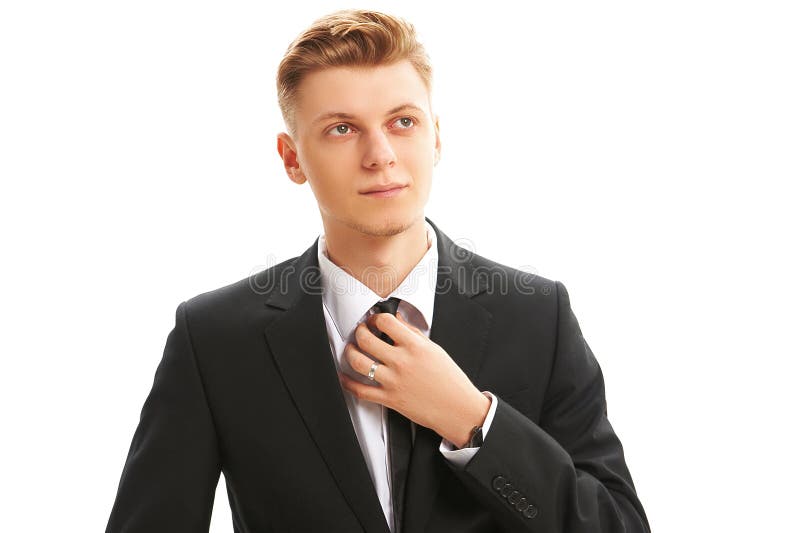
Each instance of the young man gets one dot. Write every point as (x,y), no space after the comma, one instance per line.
(386,379)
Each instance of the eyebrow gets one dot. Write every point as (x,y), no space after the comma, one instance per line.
(348,116)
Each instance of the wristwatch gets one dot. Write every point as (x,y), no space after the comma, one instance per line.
(475,438)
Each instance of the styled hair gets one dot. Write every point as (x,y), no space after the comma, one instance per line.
(348,38)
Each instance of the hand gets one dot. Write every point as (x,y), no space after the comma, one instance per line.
(416,377)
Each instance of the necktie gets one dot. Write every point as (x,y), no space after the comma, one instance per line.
(399,430)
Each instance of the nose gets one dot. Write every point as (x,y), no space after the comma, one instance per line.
(379,152)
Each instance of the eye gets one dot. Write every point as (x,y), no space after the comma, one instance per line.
(339,130)
(405,122)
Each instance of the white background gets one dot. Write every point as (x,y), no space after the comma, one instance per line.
(643,153)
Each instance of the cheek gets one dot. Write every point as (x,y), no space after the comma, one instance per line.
(337,161)
(325,167)
(418,160)
(329,179)
(419,151)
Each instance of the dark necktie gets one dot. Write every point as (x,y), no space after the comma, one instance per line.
(399,430)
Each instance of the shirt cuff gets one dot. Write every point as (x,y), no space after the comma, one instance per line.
(462,456)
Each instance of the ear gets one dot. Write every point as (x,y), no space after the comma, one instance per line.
(437,153)
(288,152)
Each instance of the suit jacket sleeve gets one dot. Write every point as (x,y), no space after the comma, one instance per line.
(567,473)
(171,473)
(461,456)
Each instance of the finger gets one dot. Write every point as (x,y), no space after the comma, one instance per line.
(408,325)
(357,359)
(370,393)
(361,362)
(371,343)
(389,324)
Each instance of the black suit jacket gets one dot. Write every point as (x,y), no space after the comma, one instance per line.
(247,386)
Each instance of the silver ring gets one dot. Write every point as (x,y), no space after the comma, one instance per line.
(372,371)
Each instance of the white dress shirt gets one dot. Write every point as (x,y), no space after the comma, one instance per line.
(346,303)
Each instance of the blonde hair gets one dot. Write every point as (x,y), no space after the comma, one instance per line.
(348,38)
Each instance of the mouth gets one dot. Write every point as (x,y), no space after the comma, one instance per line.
(388,191)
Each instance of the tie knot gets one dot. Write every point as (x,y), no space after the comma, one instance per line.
(388,306)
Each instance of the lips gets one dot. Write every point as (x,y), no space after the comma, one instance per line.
(383,188)
(387,191)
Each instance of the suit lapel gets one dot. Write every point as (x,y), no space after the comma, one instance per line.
(299,344)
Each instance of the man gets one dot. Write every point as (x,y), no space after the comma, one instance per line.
(386,379)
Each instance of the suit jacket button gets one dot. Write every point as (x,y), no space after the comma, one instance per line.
(513,498)
(531,511)
(505,491)
(522,504)
(498,483)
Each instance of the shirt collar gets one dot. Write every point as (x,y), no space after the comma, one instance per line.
(347,299)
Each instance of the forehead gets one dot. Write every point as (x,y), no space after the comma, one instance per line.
(359,91)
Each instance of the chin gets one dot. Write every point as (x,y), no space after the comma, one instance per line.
(386,227)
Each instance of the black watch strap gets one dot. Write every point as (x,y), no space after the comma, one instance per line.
(476,437)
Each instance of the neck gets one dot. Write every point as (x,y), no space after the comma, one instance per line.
(381,262)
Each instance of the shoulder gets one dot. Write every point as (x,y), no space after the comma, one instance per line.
(514,296)
(509,284)
(233,301)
